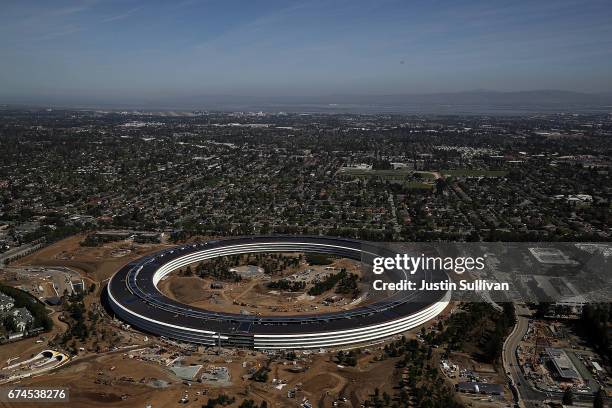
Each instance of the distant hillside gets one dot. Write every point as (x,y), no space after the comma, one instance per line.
(542,97)
(469,102)
(451,102)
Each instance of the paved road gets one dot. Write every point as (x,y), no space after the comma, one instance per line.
(19,251)
(528,395)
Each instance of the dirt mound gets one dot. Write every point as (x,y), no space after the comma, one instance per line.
(186,289)
(323,381)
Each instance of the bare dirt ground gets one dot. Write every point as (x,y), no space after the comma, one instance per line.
(325,382)
(98,263)
(109,380)
(187,289)
(115,380)
(252,295)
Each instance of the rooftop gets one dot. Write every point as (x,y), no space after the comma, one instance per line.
(563,364)
(480,387)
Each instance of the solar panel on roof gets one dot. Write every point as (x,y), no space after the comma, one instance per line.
(244,327)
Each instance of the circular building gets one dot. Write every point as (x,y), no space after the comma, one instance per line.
(134,297)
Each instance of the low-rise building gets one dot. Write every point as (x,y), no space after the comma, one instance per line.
(148,238)
(22,317)
(480,388)
(563,366)
(6,303)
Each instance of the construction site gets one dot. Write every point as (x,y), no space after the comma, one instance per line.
(253,293)
(114,364)
(554,358)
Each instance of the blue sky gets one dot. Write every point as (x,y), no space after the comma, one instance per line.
(146,49)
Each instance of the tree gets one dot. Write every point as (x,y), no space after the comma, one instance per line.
(568,397)
(9,324)
(248,404)
(386,398)
(36,308)
(441,185)
(598,402)
(260,375)
(542,309)
(594,323)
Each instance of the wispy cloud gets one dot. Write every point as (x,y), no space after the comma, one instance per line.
(121,16)
(41,15)
(67,11)
(29,24)
(186,3)
(309,46)
(59,33)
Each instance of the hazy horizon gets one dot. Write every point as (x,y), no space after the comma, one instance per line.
(121,53)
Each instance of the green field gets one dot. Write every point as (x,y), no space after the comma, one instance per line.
(388,174)
(474,173)
(399,176)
